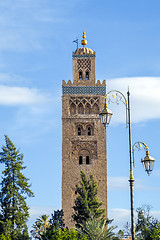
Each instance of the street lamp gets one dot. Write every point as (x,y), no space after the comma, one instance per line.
(147,162)
(106,115)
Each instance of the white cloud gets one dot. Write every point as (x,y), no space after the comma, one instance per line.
(117,183)
(32,110)
(156,214)
(10,79)
(145,98)
(122,216)
(36,211)
(121,183)
(20,96)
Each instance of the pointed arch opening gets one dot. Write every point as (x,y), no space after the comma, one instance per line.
(80,109)
(72,109)
(95,109)
(84,157)
(80,75)
(80,160)
(87,75)
(87,160)
(79,130)
(87,109)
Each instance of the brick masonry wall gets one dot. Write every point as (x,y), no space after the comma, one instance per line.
(82,110)
(70,161)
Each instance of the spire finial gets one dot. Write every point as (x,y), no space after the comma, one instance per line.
(84,42)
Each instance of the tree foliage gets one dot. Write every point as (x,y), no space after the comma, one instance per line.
(2,237)
(145,223)
(45,229)
(156,232)
(57,219)
(127,229)
(87,205)
(65,234)
(48,227)
(40,226)
(96,229)
(14,191)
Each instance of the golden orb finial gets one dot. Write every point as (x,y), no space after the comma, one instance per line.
(84,42)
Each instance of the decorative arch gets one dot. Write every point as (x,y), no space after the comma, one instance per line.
(72,109)
(84,148)
(89,130)
(79,130)
(80,75)
(87,108)
(95,109)
(80,109)
(84,157)
(87,75)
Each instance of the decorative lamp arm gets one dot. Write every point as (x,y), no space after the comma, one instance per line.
(148,161)
(117,97)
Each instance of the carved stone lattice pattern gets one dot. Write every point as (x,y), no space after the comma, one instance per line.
(98,90)
(90,146)
(84,64)
(84,105)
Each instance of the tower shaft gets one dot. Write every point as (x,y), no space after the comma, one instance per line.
(83,135)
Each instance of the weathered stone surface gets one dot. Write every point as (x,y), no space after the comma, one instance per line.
(83,135)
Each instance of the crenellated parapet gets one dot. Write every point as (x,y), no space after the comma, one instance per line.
(69,83)
(70,88)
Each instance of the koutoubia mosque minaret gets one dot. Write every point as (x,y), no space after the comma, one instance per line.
(83,134)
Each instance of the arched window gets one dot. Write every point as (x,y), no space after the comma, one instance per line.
(79,131)
(87,160)
(80,75)
(89,131)
(80,160)
(95,109)
(87,109)
(80,109)
(84,157)
(87,75)
(73,109)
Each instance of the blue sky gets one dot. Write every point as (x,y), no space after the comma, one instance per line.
(36,47)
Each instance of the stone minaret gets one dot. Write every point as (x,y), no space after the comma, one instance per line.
(83,135)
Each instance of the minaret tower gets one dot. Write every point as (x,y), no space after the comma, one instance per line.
(83,135)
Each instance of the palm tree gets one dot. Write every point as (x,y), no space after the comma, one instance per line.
(96,229)
(36,230)
(40,226)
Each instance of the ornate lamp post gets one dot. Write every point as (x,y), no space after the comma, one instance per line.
(106,115)
(147,162)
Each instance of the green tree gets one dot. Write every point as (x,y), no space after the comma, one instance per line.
(96,229)
(14,191)
(46,227)
(120,234)
(57,219)
(156,232)
(59,234)
(145,223)
(2,237)
(40,226)
(86,204)
(126,232)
